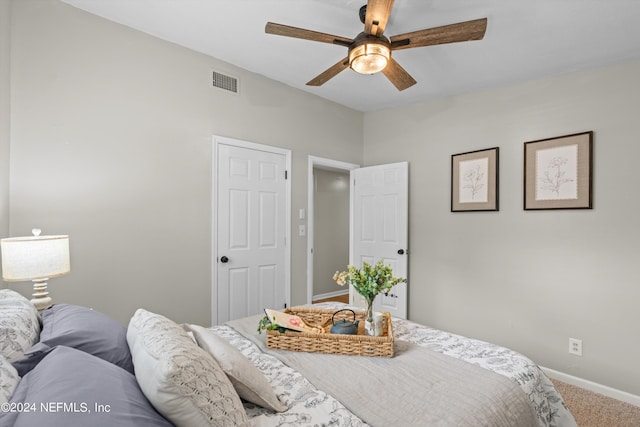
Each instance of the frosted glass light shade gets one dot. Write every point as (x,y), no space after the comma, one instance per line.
(369,58)
(34,257)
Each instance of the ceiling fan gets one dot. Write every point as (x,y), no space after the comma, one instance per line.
(370,51)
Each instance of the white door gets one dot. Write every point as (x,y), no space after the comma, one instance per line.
(250,232)
(379,228)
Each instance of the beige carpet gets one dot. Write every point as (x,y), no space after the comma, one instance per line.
(595,410)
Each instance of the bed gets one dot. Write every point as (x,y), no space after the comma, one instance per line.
(73,366)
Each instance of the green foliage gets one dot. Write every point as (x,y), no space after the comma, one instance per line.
(369,280)
(266,325)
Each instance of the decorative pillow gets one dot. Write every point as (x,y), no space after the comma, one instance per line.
(71,388)
(249,382)
(180,379)
(9,379)
(84,329)
(19,324)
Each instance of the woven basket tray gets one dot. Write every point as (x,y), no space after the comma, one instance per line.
(358,345)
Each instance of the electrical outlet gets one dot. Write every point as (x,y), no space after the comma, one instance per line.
(575,346)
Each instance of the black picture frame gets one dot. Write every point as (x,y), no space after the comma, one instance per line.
(558,172)
(474,180)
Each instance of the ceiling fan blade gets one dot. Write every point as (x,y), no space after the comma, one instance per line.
(329,73)
(378,12)
(301,33)
(460,32)
(398,75)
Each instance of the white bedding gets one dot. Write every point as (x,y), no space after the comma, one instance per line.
(314,404)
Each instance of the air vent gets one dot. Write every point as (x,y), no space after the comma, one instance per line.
(225,82)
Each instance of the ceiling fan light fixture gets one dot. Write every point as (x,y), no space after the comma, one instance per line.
(369,57)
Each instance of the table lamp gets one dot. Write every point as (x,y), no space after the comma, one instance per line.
(36,258)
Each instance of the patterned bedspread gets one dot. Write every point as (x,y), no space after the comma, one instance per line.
(546,401)
(309,406)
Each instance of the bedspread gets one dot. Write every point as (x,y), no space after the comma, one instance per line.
(545,399)
(307,405)
(416,387)
(315,399)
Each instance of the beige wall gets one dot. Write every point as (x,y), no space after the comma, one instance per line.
(5,116)
(528,279)
(331,234)
(111,144)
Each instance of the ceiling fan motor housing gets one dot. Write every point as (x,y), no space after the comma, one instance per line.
(363,13)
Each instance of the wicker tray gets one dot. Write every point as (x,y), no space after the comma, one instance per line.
(358,345)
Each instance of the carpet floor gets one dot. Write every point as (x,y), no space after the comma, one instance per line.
(596,410)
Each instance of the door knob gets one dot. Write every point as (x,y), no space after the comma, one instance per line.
(224,259)
(400,251)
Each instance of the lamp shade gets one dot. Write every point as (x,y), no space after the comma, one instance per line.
(34,257)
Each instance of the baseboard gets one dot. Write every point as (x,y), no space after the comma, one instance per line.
(591,386)
(329,295)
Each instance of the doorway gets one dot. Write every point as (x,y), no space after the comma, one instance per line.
(378,226)
(328,220)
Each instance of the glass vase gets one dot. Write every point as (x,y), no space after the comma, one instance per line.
(369,326)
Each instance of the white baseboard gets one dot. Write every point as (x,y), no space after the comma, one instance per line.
(595,387)
(329,295)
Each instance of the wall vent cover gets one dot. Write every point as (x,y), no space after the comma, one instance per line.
(225,82)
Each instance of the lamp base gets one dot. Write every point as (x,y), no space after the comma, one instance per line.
(41,299)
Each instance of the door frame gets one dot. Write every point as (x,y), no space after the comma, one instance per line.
(332,164)
(217,140)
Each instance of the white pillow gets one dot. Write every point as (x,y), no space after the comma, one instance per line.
(19,325)
(180,379)
(249,382)
(9,379)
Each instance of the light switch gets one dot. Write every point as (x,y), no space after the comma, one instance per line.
(301,213)
(302,231)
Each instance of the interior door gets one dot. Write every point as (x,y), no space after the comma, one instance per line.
(250,239)
(379,228)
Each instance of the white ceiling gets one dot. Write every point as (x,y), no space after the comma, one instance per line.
(525,39)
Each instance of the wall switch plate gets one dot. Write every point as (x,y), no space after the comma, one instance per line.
(302,231)
(301,214)
(575,346)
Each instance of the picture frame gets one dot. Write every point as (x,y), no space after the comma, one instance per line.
(558,172)
(474,180)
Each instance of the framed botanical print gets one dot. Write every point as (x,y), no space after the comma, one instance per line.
(474,181)
(558,172)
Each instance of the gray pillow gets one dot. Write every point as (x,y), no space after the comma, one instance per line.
(31,359)
(96,393)
(19,324)
(84,329)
